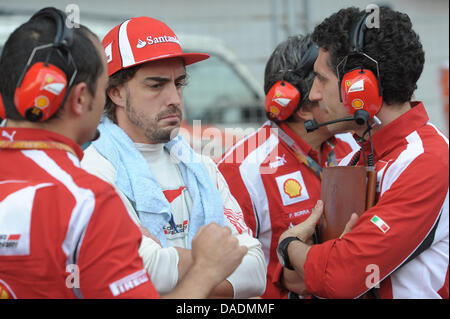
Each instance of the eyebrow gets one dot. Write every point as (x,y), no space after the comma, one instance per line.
(320,76)
(163,79)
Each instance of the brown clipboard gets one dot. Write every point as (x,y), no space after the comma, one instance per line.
(345,190)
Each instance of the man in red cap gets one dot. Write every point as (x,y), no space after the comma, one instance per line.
(169,190)
(65,233)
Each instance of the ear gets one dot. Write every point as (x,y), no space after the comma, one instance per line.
(117,95)
(305,112)
(78,99)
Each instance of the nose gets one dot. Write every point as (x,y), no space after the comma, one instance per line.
(174,95)
(315,93)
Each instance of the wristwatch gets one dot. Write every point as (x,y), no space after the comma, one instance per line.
(282,253)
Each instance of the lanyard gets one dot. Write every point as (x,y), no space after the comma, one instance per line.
(304,158)
(40,145)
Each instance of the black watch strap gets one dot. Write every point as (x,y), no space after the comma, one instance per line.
(283,246)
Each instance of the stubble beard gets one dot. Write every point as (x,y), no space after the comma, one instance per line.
(149,125)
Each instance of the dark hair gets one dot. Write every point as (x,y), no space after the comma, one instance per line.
(116,79)
(284,64)
(394,45)
(39,31)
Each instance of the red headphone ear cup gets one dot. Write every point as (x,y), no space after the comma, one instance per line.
(282,100)
(41,92)
(360,91)
(2,109)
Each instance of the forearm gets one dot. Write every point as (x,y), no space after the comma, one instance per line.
(290,280)
(184,261)
(196,284)
(298,252)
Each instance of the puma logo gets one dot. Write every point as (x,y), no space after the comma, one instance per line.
(8,136)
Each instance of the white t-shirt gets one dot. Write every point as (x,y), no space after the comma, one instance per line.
(248,280)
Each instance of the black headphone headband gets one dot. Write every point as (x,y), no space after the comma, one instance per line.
(357,34)
(64,35)
(308,59)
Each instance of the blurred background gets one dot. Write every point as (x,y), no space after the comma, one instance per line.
(227,90)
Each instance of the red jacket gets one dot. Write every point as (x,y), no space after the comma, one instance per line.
(63,232)
(412,161)
(274,189)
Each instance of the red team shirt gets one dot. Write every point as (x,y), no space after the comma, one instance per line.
(63,232)
(411,214)
(274,189)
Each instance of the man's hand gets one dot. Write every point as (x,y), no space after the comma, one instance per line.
(305,230)
(351,222)
(217,252)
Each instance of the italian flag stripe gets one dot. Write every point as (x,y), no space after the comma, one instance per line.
(380,223)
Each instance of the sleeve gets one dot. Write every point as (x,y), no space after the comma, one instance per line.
(161,263)
(108,260)
(230,171)
(385,235)
(249,279)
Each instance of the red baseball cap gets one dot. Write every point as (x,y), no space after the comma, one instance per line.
(140,40)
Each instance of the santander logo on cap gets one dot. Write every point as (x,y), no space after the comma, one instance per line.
(143,39)
(155,40)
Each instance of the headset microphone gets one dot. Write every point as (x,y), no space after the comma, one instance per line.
(312,125)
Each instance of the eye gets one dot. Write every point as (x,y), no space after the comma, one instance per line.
(181,83)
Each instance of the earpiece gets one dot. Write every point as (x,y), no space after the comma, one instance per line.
(283,98)
(359,88)
(42,86)
(41,93)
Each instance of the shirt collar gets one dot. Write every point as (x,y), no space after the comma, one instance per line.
(300,142)
(395,132)
(34,134)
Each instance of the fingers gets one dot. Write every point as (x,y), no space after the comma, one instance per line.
(316,213)
(306,229)
(351,222)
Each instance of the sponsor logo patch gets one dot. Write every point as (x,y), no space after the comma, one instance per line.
(108,52)
(292,188)
(280,161)
(377,221)
(129,282)
(357,86)
(9,241)
(5,291)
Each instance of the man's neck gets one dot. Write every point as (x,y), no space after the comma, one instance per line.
(387,114)
(314,139)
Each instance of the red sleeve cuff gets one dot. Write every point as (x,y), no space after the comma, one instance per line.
(315,268)
(276,278)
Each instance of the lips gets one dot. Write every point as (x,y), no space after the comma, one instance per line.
(171,117)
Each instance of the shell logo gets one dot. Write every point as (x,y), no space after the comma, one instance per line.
(292,187)
(5,292)
(357,103)
(274,110)
(41,102)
